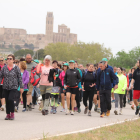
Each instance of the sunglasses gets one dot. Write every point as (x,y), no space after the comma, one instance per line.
(15,62)
(1,60)
(9,58)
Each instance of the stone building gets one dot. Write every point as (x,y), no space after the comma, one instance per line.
(10,36)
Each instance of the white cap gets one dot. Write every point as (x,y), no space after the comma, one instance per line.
(48,57)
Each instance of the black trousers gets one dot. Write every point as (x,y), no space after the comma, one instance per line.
(24,99)
(10,97)
(17,98)
(105,100)
(131,95)
(124,97)
(88,95)
(34,97)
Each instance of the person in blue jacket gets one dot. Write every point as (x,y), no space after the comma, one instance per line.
(104,86)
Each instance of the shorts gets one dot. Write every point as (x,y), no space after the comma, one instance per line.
(136,94)
(1,92)
(72,90)
(61,90)
(45,89)
(30,86)
(95,91)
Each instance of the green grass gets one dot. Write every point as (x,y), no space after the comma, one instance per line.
(125,131)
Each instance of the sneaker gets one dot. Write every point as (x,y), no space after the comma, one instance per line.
(85,111)
(76,109)
(63,110)
(27,108)
(67,112)
(132,107)
(12,116)
(16,109)
(7,117)
(98,110)
(72,112)
(137,111)
(95,109)
(2,108)
(79,110)
(113,101)
(21,103)
(46,112)
(102,115)
(89,113)
(116,112)
(24,110)
(43,112)
(108,113)
(30,107)
(52,110)
(120,113)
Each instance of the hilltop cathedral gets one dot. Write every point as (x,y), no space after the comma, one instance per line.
(11,36)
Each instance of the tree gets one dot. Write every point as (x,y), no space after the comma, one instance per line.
(82,52)
(21,53)
(17,47)
(40,53)
(124,59)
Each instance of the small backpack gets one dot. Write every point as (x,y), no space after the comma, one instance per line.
(35,77)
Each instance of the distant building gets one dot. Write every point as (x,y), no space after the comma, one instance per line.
(10,36)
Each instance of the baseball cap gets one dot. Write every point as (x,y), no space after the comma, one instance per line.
(71,61)
(104,59)
(36,61)
(65,64)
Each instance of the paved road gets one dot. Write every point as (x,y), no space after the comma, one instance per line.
(32,125)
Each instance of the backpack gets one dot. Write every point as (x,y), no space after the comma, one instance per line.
(109,75)
(35,77)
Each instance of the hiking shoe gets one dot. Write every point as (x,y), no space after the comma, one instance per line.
(108,113)
(102,115)
(2,108)
(98,110)
(24,110)
(85,111)
(7,117)
(43,112)
(132,107)
(63,110)
(54,111)
(137,111)
(79,110)
(72,112)
(46,112)
(12,116)
(89,113)
(116,112)
(120,113)
(67,112)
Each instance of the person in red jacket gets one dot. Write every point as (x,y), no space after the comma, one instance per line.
(127,89)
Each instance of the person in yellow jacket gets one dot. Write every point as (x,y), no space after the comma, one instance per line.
(120,91)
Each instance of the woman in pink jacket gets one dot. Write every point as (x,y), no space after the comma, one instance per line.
(62,90)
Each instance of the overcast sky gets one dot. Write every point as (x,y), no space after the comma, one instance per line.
(114,23)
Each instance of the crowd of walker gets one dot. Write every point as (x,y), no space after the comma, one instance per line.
(26,80)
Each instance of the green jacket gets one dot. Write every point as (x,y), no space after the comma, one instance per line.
(121,85)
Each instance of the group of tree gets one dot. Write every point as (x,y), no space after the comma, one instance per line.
(23,53)
(125,59)
(29,46)
(82,52)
